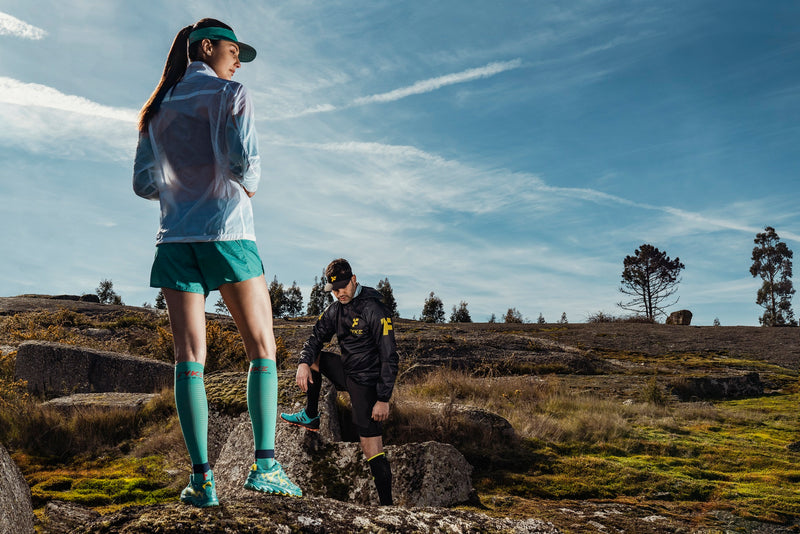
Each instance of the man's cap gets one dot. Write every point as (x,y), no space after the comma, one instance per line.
(246,52)
(337,274)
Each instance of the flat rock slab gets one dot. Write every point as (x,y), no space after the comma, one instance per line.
(16,511)
(112,400)
(55,369)
(262,514)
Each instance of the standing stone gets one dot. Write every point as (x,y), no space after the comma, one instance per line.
(680,317)
(16,511)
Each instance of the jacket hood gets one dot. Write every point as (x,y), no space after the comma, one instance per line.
(369,293)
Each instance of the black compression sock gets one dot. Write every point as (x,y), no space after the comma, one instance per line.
(382,473)
(312,395)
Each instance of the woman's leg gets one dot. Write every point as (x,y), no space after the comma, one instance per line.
(249,304)
(187,317)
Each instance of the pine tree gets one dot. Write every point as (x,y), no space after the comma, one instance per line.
(433,310)
(161,302)
(319,299)
(492,319)
(276,296)
(460,315)
(650,277)
(106,294)
(541,320)
(513,316)
(563,319)
(385,289)
(220,307)
(293,301)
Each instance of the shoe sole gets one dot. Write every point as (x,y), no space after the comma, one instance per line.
(271,491)
(301,426)
(204,505)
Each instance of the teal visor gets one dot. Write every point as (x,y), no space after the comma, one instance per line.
(246,52)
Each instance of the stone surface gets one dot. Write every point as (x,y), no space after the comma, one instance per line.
(256,513)
(16,512)
(493,424)
(53,369)
(680,317)
(64,517)
(112,400)
(718,387)
(424,474)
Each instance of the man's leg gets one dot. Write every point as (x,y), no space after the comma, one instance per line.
(250,307)
(379,465)
(187,320)
(363,398)
(329,365)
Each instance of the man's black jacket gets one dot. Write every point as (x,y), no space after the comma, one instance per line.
(363,328)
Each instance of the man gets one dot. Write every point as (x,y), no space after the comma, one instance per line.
(366,369)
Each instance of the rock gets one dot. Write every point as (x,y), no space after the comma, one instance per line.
(424,474)
(53,369)
(111,401)
(680,317)
(64,517)
(16,511)
(718,387)
(88,297)
(257,513)
(489,422)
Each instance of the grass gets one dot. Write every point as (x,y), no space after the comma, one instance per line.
(571,441)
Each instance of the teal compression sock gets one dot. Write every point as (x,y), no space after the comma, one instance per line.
(262,403)
(192,406)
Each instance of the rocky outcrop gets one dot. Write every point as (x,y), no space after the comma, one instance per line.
(680,317)
(53,369)
(257,513)
(496,426)
(718,387)
(424,474)
(16,511)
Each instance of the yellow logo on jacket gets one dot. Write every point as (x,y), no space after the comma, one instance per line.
(354,330)
(387,325)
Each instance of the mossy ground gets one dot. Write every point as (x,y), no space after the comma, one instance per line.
(582,440)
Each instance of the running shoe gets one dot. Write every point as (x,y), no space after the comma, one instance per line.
(201,491)
(272,480)
(302,419)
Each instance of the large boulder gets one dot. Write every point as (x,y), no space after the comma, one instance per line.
(54,369)
(16,511)
(263,514)
(424,474)
(680,317)
(101,401)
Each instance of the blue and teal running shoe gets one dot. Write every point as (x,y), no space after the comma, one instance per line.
(201,491)
(272,480)
(302,419)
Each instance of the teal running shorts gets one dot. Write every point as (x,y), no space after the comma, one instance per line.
(203,267)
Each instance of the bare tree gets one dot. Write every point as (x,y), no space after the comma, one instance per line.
(650,277)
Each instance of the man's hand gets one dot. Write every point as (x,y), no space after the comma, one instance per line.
(380,412)
(303,377)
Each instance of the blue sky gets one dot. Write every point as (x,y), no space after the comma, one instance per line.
(507,154)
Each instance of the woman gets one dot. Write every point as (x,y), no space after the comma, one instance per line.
(198,155)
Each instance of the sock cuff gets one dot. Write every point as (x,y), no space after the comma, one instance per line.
(265,453)
(188,370)
(201,468)
(263,365)
(376,456)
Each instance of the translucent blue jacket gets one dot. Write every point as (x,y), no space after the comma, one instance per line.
(197,157)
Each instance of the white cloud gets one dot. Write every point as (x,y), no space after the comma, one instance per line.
(13,26)
(427,86)
(36,95)
(420,87)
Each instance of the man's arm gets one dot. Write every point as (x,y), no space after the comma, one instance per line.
(323,332)
(382,331)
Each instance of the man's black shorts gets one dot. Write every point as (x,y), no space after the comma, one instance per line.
(362,398)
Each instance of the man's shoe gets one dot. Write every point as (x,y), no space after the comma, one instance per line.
(272,480)
(201,491)
(302,419)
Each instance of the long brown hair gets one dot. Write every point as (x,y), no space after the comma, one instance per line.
(180,54)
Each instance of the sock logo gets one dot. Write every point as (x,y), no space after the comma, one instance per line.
(259,369)
(191,374)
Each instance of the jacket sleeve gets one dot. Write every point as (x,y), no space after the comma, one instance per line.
(323,332)
(145,169)
(244,163)
(382,330)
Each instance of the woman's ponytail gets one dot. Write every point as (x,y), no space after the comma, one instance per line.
(174,69)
